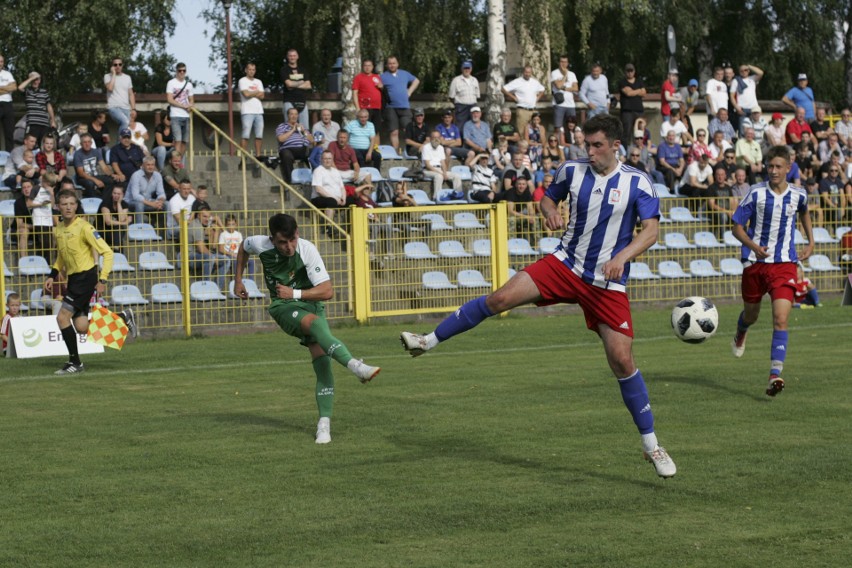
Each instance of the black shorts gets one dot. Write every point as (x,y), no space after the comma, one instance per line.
(396,118)
(81,286)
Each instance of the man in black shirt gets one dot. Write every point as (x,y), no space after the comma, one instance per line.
(416,133)
(296,87)
(631,90)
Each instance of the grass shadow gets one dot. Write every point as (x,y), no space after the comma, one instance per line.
(706,382)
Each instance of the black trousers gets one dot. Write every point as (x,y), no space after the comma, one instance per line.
(7,122)
(288,157)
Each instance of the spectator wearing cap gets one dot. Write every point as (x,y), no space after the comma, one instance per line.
(690,96)
(399,85)
(631,89)
(464,92)
(367,92)
(416,133)
(451,138)
(525,91)
(801,96)
(125,157)
(670,98)
(315,157)
(756,121)
(251,108)
(327,127)
(564,85)
(743,90)
(477,133)
(774,135)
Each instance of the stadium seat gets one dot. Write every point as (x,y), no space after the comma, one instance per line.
(205,291)
(706,239)
(472,279)
(119,263)
(641,271)
(482,247)
(842,231)
(251,288)
(447,197)
(4,155)
(800,238)
(7,208)
(127,295)
(664,219)
(671,269)
(731,240)
(437,280)
(91,205)
(657,246)
(512,272)
(388,153)
(438,222)
(397,173)
(821,263)
(520,247)
(702,268)
(166,293)
(154,260)
(33,265)
(452,249)
(467,220)
(663,190)
(24,307)
(822,236)
(681,215)
(6,272)
(418,251)
(142,232)
(420,197)
(547,245)
(39,300)
(375,174)
(302,176)
(678,241)
(731,266)
(462,171)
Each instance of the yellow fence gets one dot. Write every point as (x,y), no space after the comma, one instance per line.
(390,262)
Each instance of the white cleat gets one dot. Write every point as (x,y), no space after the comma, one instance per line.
(323,431)
(364,372)
(414,343)
(738,345)
(662,462)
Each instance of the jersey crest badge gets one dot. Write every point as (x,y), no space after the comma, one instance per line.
(614,196)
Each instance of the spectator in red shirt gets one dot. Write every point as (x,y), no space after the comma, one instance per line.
(367,92)
(669,95)
(346,161)
(796,126)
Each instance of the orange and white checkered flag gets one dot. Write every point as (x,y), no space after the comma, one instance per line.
(107,328)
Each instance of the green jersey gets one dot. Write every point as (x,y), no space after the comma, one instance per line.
(303,270)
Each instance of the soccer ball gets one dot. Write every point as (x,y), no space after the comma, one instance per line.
(694,319)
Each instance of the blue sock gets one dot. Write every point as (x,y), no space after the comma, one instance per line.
(779,351)
(812,297)
(741,326)
(466,317)
(635,397)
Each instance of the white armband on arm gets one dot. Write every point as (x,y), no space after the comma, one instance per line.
(297,294)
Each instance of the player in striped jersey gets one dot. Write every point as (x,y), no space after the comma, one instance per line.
(589,267)
(299,284)
(765,223)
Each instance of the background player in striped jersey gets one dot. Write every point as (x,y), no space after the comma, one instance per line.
(765,223)
(298,284)
(589,267)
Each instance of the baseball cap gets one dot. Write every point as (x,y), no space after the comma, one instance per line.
(318,136)
(777,116)
(447,112)
(419,112)
(467,65)
(629,67)
(125,132)
(693,82)
(638,134)
(802,77)
(673,71)
(476,109)
(756,109)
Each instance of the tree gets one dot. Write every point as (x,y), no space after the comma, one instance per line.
(71,42)
(350,38)
(496,61)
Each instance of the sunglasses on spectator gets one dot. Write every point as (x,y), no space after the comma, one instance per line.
(701,133)
(118,64)
(834,171)
(635,155)
(181,70)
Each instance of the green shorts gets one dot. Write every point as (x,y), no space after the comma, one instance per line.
(288,314)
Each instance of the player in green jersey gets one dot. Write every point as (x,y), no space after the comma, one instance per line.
(299,284)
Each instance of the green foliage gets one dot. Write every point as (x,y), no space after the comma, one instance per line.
(508,446)
(70,42)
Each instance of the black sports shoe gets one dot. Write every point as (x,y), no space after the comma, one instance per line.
(130,319)
(70,368)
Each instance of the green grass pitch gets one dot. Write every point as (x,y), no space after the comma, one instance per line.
(508,446)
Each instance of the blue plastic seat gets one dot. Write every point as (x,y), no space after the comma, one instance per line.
(397,173)
(520,247)
(452,249)
(641,271)
(205,291)
(547,245)
(418,250)
(677,241)
(127,295)
(142,232)
(166,293)
(702,268)
(671,269)
(482,247)
(154,260)
(251,288)
(467,220)
(388,153)
(420,197)
(91,205)
(33,265)
(706,239)
(301,176)
(438,222)
(437,280)
(462,171)
(472,279)
(731,266)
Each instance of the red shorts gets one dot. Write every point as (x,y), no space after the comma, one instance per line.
(557,284)
(778,279)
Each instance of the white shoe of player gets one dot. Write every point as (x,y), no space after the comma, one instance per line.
(414,343)
(364,372)
(323,431)
(738,345)
(662,462)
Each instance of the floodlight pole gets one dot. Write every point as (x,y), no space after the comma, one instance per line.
(227,5)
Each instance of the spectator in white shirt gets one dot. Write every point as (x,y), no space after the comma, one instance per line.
(436,167)
(525,91)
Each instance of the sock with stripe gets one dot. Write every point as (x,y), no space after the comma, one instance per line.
(635,396)
(779,351)
(325,385)
(69,336)
(466,317)
(332,346)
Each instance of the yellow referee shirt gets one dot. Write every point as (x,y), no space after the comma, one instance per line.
(75,243)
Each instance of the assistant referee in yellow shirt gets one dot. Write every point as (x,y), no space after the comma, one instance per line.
(77,241)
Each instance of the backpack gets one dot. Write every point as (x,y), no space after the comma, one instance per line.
(384,191)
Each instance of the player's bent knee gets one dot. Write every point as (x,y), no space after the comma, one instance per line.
(307,322)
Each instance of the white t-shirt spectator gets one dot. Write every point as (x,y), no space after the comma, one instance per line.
(330,180)
(701,174)
(432,156)
(748,98)
(178,204)
(251,105)
(556,75)
(718,92)
(526,91)
(231,241)
(174,87)
(42,214)
(119,97)
(679,128)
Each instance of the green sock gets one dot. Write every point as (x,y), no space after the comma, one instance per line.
(332,346)
(325,386)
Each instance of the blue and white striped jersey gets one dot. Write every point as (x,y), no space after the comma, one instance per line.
(770,221)
(603,212)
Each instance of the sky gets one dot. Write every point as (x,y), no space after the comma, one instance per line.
(190,46)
